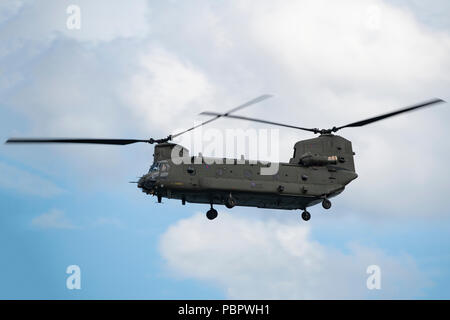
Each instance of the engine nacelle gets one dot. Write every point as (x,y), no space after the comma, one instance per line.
(327,149)
(310,160)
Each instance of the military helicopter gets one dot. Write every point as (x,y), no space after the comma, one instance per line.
(319,169)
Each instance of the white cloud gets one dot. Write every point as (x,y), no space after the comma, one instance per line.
(12,178)
(9,8)
(165,89)
(277,259)
(104,20)
(101,20)
(329,45)
(54,219)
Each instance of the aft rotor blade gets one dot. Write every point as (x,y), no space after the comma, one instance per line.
(218,115)
(207,113)
(391,114)
(120,142)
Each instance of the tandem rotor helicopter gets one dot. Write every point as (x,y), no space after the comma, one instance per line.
(319,169)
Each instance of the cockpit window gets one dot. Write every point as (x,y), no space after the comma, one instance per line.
(159,169)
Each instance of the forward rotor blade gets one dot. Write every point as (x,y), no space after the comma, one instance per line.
(218,115)
(120,142)
(249,103)
(391,114)
(207,113)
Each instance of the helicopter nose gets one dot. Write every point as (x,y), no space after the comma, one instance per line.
(141,182)
(146,182)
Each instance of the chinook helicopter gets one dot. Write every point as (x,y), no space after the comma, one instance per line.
(319,169)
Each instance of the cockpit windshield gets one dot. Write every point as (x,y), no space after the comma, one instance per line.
(161,167)
(154,167)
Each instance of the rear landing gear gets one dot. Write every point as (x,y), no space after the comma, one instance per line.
(211,214)
(326,204)
(306,215)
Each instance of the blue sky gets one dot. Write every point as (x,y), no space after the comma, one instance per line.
(147,69)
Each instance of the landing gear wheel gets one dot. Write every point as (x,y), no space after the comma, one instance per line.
(306,215)
(326,204)
(230,202)
(211,214)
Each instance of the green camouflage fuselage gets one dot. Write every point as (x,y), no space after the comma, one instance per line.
(320,168)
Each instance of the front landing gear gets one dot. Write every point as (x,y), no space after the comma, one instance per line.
(230,202)
(211,214)
(306,215)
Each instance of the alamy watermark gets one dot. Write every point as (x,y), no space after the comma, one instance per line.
(249,146)
(373,17)
(374,280)
(73,21)
(73,281)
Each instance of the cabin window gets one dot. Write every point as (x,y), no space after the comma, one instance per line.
(164,167)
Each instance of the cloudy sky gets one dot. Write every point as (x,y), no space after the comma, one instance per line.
(146,69)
